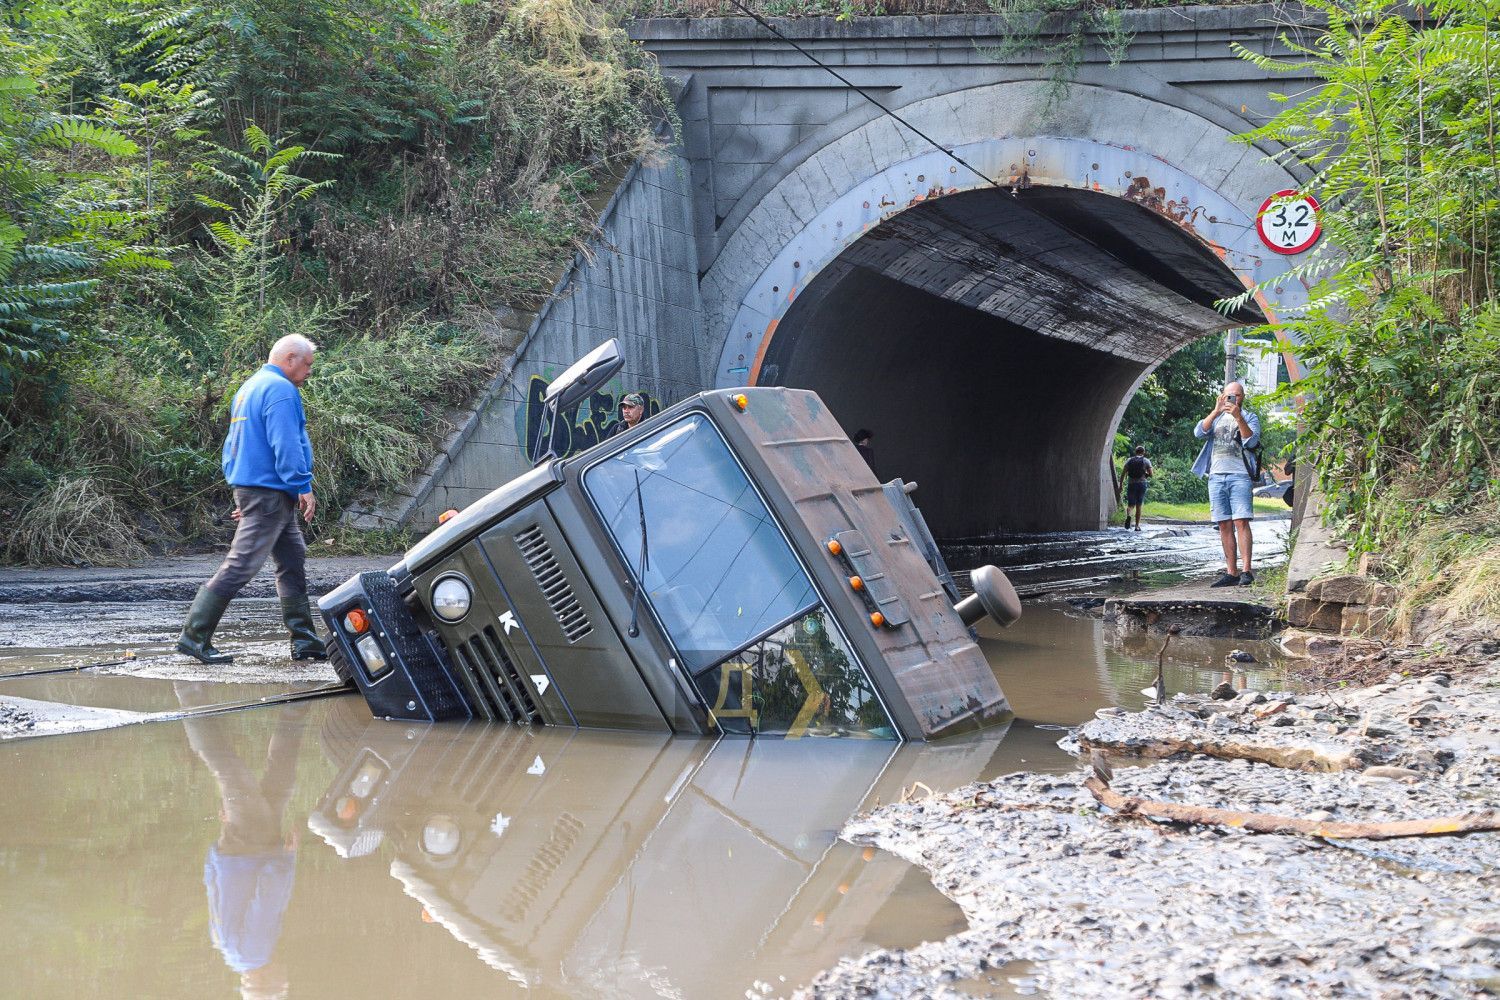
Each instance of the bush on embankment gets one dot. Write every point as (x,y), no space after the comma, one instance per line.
(1402,339)
(182,184)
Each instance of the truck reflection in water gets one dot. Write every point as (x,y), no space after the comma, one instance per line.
(625,864)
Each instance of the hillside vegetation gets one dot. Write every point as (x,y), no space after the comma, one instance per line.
(182,183)
(1402,339)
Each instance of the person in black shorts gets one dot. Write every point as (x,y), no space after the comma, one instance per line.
(1137,475)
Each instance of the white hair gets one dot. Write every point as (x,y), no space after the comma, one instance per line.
(291,343)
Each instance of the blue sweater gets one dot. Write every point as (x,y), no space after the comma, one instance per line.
(267,444)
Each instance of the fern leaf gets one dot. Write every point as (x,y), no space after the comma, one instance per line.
(73,131)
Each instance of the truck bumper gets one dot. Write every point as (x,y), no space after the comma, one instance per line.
(399,668)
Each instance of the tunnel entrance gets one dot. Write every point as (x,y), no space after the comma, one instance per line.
(990,339)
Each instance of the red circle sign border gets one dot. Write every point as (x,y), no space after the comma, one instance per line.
(1299,248)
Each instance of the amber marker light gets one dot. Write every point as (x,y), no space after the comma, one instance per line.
(835,547)
(447,516)
(357,622)
(856,583)
(741,401)
(877,619)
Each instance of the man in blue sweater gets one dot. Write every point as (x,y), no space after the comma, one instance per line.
(268,461)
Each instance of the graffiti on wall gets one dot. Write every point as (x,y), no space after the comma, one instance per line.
(588,424)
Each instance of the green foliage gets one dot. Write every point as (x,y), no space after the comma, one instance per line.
(53,234)
(1061,30)
(1180,391)
(168,208)
(1402,338)
(1172,481)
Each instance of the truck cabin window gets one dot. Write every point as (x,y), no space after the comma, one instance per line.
(723,581)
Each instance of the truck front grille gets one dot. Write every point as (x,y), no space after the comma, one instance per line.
(492,680)
(573,620)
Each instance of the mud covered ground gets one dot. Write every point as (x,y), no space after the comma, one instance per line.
(1067,898)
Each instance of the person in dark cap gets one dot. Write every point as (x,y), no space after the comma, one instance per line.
(632,409)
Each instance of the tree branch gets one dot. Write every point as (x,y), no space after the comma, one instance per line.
(1441,826)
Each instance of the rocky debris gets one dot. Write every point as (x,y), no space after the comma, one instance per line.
(1096,904)
(15,720)
(1197,614)
(254,663)
(1341,660)
(1348,604)
(1275,728)
(174,578)
(22,717)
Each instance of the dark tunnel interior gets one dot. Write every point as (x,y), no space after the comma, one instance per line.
(989,340)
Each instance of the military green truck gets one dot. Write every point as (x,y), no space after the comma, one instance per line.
(728,566)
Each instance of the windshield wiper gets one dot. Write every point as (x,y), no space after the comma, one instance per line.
(640,576)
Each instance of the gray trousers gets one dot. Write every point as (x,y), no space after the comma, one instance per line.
(268,527)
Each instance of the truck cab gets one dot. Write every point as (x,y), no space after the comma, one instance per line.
(729,566)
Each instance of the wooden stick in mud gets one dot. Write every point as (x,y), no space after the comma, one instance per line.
(1441,826)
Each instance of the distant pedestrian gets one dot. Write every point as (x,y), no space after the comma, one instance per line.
(1229,464)
(632,409)
(864,443)
(1137,475)
(268,461)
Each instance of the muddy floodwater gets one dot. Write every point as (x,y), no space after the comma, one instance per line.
(308,850)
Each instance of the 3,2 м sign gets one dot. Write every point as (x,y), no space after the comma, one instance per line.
(1288,222)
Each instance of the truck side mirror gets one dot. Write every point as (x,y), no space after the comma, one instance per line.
(573,386)
(585,375)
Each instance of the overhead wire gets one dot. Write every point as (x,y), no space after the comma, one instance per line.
(869,97)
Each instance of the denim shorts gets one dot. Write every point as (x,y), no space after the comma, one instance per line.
(1229,496)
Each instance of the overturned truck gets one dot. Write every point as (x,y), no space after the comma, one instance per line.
(729,566)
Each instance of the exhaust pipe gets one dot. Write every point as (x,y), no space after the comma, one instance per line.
(993,595)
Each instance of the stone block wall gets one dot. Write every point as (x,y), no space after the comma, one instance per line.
(638,283)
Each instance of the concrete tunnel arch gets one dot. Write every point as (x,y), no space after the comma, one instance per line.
(991,338)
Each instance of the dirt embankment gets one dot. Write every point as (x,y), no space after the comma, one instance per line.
(1065,895)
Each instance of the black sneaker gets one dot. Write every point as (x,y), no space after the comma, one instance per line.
(1247,578)
(1226,580)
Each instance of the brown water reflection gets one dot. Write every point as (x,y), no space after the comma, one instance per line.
(311,851)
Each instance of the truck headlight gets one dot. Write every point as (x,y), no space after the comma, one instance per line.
(451,598)
(373,656)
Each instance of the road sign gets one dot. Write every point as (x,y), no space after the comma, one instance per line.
(1288,222)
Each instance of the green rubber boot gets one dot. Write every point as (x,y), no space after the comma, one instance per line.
(297,613)
(198,631)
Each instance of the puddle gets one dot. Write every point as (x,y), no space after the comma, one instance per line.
(309,850)
(1075,560)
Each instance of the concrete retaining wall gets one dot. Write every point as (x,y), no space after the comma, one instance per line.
(638,282)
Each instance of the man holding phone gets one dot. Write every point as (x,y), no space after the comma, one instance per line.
(1231,430)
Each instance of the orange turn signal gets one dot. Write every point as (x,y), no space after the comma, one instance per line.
(447,516)
(357,621)
(877,619)
(835,547)
(741,401)
(856,583)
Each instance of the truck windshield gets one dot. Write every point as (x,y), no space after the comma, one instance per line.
(727,588)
